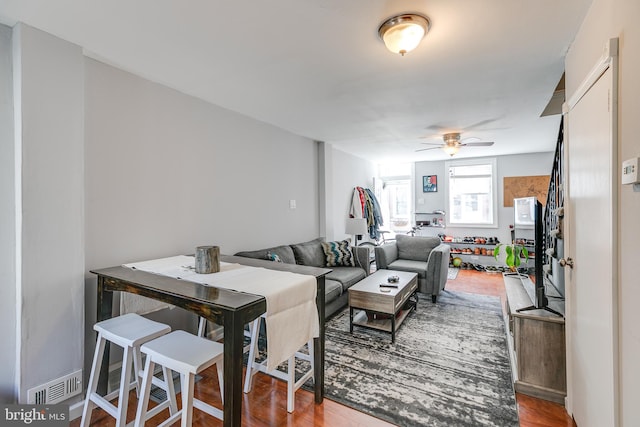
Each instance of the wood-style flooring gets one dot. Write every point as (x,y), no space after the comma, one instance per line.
(266,405)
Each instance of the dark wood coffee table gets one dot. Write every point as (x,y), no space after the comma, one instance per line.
(383,311)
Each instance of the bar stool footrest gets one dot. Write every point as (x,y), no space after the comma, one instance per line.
(209,409)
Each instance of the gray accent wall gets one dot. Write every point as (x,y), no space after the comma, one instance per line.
(166,172)
(7,224)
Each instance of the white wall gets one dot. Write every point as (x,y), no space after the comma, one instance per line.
(606,19)
(507,166)
(347,172)
(7,223)
(49,94)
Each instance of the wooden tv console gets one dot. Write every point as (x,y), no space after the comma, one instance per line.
(536,344)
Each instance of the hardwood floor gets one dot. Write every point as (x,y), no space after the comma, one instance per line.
(266,405)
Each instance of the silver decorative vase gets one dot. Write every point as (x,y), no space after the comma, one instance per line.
(207,259)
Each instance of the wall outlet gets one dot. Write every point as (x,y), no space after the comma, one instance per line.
(292,204)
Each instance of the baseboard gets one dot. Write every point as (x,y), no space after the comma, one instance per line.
(75,410)
(540,392)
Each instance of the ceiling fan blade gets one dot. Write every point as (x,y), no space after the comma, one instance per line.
(478,144)
(425,149)
(479,124)
(440,144)
(435,137)
(470,139)
(438,128)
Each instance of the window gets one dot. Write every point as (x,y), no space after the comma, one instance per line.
(396,204)
(471,191)
(396,201)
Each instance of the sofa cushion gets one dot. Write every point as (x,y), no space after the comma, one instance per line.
(285,253)
(348,276)
(338,254)
(412,266)
(332,290)
(415,248)
(309,253)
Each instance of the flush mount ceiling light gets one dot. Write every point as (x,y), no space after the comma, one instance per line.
(403,33)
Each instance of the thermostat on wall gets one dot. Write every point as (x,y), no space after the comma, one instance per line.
(630,171)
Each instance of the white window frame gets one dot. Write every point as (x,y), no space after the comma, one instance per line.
(387,221)
(494,190)
(406,171)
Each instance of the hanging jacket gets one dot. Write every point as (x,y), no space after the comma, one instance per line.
(356,210)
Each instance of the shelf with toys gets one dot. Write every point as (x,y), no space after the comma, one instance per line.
(483,246)
(475,252)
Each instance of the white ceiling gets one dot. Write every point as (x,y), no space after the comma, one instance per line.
(318,69)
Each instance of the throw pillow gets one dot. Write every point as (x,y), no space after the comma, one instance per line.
(338,254)
(273,257)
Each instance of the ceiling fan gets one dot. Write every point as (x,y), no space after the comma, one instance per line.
(452,143)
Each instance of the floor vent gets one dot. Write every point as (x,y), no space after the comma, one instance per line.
(57,390)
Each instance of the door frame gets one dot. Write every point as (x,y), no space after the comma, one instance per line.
(608,61)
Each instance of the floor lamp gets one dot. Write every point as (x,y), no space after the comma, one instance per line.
(356,227)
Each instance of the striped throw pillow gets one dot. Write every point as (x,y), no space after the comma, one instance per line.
(338,254)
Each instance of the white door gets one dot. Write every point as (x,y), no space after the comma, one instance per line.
(591,243)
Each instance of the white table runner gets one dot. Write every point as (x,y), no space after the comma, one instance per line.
(291,316)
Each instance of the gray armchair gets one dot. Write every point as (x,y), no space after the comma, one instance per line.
(426,256)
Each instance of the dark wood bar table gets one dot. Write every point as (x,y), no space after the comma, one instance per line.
(228,308)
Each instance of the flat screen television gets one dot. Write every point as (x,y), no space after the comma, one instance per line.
(528,230)
(555,277)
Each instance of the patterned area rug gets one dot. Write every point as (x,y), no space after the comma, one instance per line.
(448,367)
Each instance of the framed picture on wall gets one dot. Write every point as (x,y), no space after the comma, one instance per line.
(429,184)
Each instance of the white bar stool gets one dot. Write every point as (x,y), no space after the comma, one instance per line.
(290,376)
(128,331)
(189,355)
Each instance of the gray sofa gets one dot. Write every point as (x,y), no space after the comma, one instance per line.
(426,256)
(311,254)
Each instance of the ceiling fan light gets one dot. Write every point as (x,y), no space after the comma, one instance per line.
(403,33)
(452,138)
(450,149)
